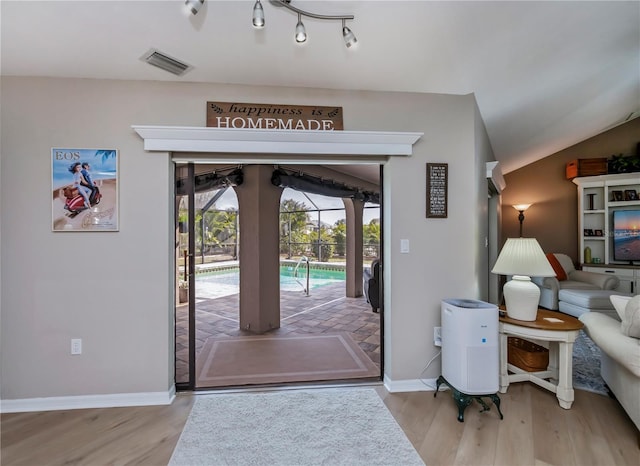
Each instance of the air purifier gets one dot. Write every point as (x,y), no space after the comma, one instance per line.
(470,346)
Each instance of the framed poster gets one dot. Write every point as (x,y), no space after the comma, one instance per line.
(84,186)
(437,187)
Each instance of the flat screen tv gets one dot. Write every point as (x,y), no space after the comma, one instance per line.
(626,235)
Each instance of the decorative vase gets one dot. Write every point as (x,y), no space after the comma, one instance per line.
(587,255)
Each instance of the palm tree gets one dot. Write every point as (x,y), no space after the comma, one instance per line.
(221,228)
(371,238)
(293,225)
(340,237)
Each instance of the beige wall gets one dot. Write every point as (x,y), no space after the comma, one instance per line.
(553,217)
(121,305)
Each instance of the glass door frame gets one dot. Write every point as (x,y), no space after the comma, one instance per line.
(190,384)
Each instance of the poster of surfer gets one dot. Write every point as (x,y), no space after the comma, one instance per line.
(85,189)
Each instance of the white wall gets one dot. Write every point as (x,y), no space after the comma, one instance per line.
(114,290)
(484,154)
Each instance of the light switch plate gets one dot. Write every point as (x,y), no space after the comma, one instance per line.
(404,246)
(76,346)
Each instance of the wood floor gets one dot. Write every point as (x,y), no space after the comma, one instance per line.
(534,431)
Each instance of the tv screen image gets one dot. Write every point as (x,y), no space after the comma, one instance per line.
(626,235)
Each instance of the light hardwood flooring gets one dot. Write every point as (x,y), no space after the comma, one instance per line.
(534,431)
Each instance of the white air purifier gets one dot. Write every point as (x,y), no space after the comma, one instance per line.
(470,346)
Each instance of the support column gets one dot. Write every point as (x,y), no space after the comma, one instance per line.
(259,207)
(353,210)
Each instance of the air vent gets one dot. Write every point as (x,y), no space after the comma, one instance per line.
(162,60)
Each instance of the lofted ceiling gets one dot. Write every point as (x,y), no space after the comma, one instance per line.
(545,75)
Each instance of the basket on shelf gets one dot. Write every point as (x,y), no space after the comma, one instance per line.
(527,355)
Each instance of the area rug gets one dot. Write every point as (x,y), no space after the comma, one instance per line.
(229,361)
(586,365)
(331,426)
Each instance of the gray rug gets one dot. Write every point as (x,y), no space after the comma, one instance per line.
(332,426)
(586,365)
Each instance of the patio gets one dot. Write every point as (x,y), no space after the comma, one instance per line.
(326,310)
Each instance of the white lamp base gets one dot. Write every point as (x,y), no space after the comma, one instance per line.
(521,297)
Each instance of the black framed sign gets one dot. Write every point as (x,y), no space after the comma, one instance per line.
(437,190)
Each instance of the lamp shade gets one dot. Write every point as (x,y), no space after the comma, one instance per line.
(301,32)
(258,15)
(349,37)
(521,207)
(523,256)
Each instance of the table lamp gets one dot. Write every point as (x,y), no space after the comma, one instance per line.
(523,258)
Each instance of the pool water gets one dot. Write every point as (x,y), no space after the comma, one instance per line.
(213,285)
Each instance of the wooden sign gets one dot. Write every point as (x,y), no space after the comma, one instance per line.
(268,116)
(437,190)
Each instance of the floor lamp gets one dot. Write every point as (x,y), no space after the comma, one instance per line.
(521,208)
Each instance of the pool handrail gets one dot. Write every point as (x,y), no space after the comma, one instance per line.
(295,274)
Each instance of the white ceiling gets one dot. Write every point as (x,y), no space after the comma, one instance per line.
(546,75)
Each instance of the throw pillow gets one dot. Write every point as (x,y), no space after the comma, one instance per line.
(620,304)
(557,268)
(631,320)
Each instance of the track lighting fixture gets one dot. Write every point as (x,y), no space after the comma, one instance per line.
(301,32)
(258,19)
(194,5)
(258,15)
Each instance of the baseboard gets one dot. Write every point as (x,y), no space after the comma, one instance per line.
(415,385)
(116,400)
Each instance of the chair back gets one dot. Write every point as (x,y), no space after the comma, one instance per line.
(373,286)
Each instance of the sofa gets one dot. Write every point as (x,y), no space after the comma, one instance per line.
(567,277)
(619,342)
(577,302)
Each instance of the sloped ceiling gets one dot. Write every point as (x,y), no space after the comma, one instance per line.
(546,75)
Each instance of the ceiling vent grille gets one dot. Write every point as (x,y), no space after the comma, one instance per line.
(162,60)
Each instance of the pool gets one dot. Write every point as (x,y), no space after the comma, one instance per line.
(211,285)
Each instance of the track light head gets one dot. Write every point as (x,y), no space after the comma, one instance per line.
(258,15)
(301,32)
(194,5)
(349,37)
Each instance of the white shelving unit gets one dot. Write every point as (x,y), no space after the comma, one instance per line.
(599,219)
(629,276)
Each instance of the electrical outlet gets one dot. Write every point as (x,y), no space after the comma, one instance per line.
(437,336)
(76,346)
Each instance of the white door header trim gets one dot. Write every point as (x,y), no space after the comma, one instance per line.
(202,139)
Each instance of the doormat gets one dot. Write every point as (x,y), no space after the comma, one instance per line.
(265,359)
(327,426)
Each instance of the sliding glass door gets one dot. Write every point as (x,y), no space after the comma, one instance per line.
(184,277)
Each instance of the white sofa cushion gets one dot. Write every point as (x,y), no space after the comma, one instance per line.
(620,303)
(606,333)
(587,298)
(631,319)
(565,262)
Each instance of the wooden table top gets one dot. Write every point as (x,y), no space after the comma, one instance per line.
(546,320)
